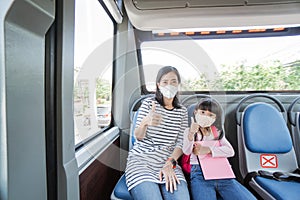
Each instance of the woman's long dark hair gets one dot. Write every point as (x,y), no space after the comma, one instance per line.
(214,107)
(158,95)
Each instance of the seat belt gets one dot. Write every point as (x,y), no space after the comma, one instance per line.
(281,176)
(286,176)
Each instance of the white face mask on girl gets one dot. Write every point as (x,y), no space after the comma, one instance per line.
(168,91)
(204,120)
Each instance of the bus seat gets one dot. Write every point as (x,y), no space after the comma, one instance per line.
(264,143)
(120,191)
(294,119)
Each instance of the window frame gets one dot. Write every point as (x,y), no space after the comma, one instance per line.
(148,36)
(95,135)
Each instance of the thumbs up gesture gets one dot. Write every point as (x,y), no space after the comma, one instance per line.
(193,129)
(154,117)
(194,126)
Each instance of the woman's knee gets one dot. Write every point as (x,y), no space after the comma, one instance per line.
(181,192)
(146,190)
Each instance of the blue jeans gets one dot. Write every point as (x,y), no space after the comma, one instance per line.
(229,189)
(154,191)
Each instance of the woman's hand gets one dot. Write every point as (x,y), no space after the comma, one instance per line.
(171,179)
(153,118)
(200,150)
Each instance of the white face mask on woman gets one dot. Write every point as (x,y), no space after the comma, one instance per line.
(168,91)
(204,120)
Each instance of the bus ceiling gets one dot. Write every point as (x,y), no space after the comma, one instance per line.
(149,15)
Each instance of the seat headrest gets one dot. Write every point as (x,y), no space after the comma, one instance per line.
(132,128)
(190,110)
(265,130)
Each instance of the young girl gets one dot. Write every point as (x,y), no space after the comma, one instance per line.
(205,141)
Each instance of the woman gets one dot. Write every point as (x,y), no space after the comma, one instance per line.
(151,171)
(211,172)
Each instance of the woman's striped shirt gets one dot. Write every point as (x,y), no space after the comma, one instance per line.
(149,155)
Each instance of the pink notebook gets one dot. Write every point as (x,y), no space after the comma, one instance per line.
(216,168)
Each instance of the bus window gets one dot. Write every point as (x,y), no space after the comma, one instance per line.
(227,64)
(93,58)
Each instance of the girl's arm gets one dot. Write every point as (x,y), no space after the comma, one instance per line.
(188,142)
(225,150)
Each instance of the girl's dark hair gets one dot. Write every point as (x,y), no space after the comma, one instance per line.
(211,105)
(158,95)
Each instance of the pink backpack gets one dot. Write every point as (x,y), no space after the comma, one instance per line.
(185,159)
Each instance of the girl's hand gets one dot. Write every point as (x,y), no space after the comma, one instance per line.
(201,150)
(171,179)
(193,129)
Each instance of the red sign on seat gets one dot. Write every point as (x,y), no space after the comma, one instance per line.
(268,161)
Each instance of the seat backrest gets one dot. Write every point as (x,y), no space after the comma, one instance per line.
(120,191)
(294,119)
(265,130)
(132,127)
(190,110)
(264,140)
